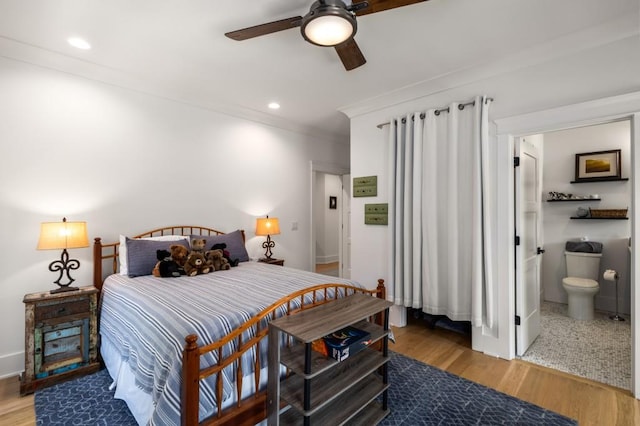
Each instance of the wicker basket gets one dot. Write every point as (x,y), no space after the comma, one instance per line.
(608,212)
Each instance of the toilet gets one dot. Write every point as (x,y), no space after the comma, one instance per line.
(581,283)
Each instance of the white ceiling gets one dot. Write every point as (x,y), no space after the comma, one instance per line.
(177,49)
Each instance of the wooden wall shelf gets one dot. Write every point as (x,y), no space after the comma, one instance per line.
(600,180)
(575,199)
(600,218)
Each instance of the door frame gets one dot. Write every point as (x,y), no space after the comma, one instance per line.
(582,114)
(333,169)
(344,249)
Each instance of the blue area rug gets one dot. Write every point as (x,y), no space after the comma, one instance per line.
(83,402)
(418,395)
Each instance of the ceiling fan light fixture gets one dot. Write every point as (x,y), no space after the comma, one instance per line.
(328,23)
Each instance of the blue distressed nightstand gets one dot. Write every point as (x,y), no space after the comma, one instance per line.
(61,337)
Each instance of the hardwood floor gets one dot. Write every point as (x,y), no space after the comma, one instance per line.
(323,268)
(589,402)
(14,409)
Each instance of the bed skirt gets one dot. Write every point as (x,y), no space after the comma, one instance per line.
(140,403)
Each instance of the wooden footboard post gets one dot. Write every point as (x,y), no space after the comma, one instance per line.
(97,263)
(382,290)
(381,317)
(190,398)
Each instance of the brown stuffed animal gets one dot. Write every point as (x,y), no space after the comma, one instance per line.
(198,244)
(179,254)
(217,261)
(196,264)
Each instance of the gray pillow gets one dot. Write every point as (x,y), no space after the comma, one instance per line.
(142,256)
(234,242)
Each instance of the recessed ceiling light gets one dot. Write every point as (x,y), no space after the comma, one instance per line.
(79,43)
(274,105)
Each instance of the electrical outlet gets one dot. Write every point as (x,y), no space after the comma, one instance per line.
(294,226)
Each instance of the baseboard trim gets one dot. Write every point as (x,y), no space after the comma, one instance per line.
(322,260)
(11,364)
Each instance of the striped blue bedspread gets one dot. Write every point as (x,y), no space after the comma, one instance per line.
(148,319)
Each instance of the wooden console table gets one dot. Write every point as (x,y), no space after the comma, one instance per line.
(322,390)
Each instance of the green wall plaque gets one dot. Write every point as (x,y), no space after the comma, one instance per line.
(366,186)
(376,214)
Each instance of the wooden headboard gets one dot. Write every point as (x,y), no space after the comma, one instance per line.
(103,252)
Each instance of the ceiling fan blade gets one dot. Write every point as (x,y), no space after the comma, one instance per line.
(355,7)
(264,29)
(382,5)
(350,54)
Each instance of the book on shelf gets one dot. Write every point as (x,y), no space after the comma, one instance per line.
(342,343)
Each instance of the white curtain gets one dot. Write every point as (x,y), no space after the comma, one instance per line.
(440,229)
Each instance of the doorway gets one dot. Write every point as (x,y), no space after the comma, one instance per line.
(598,349)
(330,211)
(327,194)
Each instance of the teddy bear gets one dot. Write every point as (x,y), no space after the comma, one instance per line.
(217,261)
(225,253)
(199,245)
(179,254)
(196,264)
(166,266)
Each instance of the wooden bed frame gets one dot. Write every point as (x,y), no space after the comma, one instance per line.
(252,409)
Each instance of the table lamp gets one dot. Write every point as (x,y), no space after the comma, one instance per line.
(267,227)
(63,235)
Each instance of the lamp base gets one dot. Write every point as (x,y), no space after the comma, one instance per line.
(269,244)
(63,266)
(63,289)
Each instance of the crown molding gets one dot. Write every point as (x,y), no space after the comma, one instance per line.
(606,33)
(56,61)
(582,114)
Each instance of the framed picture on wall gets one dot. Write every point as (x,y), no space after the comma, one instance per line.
(333,202)
(598,166)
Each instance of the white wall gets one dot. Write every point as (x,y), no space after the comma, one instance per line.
(126,162)
(602,71)
(559,164)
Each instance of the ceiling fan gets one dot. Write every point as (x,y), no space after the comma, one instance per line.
(329,23)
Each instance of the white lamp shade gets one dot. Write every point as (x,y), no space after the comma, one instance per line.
(267,226)
(63,235)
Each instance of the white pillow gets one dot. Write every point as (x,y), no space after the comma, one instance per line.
(122,251)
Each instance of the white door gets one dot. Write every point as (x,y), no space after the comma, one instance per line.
(527,218)
(345,228)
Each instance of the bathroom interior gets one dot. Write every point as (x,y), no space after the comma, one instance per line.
(591,344)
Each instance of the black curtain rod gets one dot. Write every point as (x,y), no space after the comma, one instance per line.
(437,112)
